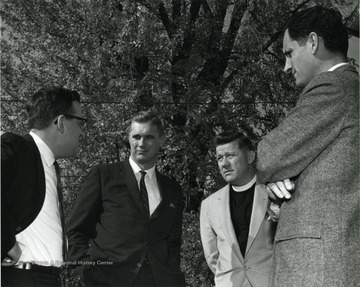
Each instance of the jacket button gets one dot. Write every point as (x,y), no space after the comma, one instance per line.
(18,229)
(138,265)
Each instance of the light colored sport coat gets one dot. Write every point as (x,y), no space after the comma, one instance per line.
(317,242)
(221,248)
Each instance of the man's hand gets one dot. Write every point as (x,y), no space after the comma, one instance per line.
(13,256)
(280,189)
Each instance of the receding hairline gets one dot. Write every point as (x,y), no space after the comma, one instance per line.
(238,143)
(150,122)
(242,140)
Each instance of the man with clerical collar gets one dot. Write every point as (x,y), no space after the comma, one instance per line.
(236,232)
(127,220)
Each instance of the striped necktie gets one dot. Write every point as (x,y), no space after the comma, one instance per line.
(61,210)
(143,193)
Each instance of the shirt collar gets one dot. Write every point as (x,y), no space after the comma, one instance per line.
(337,66)
(134,166)
(244,187)
(44,149)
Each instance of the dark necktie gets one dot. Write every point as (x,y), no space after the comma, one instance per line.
(61,210)
(143,193)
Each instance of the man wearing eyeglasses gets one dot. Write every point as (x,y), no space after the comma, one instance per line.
(33,245)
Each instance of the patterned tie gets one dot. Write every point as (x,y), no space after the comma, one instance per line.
(143,193)
(61,210)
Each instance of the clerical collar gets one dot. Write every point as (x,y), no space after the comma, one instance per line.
(240,188)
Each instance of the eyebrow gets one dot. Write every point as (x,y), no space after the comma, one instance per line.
(142,135)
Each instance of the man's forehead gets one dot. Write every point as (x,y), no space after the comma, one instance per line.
(289,43)
(227,148)
(143,128)
(286,40)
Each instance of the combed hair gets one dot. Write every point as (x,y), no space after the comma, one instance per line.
(149,117)
(325,22)
(229,136)
(48,103)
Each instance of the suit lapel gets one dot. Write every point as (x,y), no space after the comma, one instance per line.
(132,185)
(225,220)
(257,214)
(163,194)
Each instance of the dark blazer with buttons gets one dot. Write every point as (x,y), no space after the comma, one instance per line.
(22,186)
(108,224)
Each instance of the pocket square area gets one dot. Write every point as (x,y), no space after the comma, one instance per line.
(172,205)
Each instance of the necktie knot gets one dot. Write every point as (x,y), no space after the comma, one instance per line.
(143,173)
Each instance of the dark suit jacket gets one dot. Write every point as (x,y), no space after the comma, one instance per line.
(22,186)
(108,223)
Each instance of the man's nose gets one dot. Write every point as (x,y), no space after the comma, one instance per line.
(288,66)
(224,162)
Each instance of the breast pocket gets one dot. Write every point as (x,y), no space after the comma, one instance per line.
(299,229)
(163,219)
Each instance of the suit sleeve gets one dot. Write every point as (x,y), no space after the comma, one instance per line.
(310,127)
(208,238)
(176,234)
(9,168)
(84,216)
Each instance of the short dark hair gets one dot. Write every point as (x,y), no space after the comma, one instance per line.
(151,117)
(47,103)
(230,136)
(325,22)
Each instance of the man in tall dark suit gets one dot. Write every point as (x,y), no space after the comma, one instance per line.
(126,225)
(317,145)
(32,238)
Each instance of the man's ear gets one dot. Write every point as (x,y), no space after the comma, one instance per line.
(314,42)
(251,156)
(60,123)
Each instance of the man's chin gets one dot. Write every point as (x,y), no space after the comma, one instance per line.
(228,178)
(141,158)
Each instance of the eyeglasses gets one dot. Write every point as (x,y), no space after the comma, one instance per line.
(75,117)
(81,119)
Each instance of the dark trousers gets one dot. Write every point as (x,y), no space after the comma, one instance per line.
(12,277)
(145,277)
(117,275)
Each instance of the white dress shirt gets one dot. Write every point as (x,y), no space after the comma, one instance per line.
(337,66)
(41,241)
(151,183)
